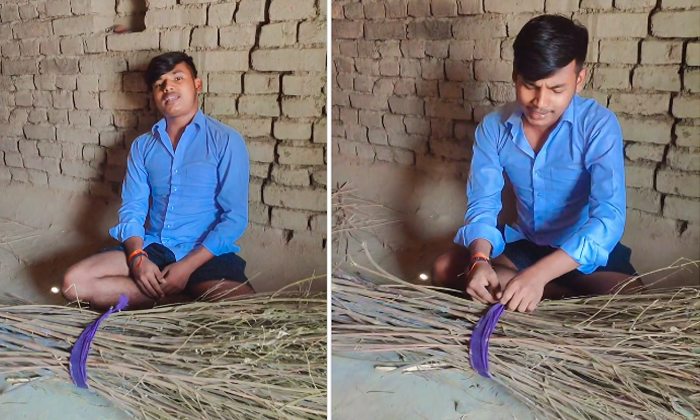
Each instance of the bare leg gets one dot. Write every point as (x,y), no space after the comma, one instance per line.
(218,290)
(603,283)
(101,279)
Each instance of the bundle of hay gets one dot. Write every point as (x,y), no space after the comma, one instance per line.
(261,357)
(623,357)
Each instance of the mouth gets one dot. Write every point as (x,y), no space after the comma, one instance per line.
(170,98)
(537,114)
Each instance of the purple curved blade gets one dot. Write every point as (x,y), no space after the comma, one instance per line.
(479,344)
(81,349)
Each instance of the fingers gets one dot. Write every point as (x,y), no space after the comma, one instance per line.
(155,283)
(481,292)
(146,288)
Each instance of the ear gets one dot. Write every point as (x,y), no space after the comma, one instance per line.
(198,84)
(580,79)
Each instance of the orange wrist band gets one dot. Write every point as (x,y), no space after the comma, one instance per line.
(138,252)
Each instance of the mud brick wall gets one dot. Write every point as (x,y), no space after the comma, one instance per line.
(72,97)
(411,79)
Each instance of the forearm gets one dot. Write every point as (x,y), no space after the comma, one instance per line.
(133,244)
(197,257)
(550,267)
(480,246)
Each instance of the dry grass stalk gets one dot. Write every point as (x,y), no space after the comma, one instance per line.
(261,357)
(632,357)
(352,213)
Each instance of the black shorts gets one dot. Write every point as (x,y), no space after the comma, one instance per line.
(524,254)
(223,267)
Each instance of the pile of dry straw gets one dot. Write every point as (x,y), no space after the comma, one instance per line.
(630,357)
(261,357)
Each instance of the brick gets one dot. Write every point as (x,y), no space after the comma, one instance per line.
(443,8)
(40,132)
(561,6)
(302,85)
(596,4)
(29,47)
(109,82)
(221,14)
(514,6)
(684,158)
(479,27)
(100,119)
(290,219)
(58,116)
(320,132)
(611,78)
(205,37)
(263,105)
(250,11)
(47,164)
(372,11)
(384,30)
(123,101)
(635,4)
(429,29)
(291,175)
(676,24)
(102,65)
(278,34)
(259,83)
(285,130)
(28,148)
(79,25)
(640,175)
(462,50)
(261,151)
(487,49)
(225,83)
(312,33)
(686,107)
(32,29)
(687,135)
(57,8)
(58,66)
(295,198)
(220,105)
(49,149)
(20,67)
(432,69)
(645,151)
(515,22)
(96,44)
(665,78)
(28,12)
(134,41)
(14,160)
(287,10)
(640,103)
(89,7)
(646,130)
(175,39)
(615,25)
(347,30)
(371,102)
(11,49)
(456,71)
(221,61)
(250,128)
(681,208)
(290,155)
(77,135)
(302,107)
(69,183)
(86,100)
(661,52)
(493,70)
(413,142)
(313,60)
(406,106)
(691,80)
(72,45)
(79,169)
(618,51)
(678,183)
(62,99)
(396,8)
(692,54)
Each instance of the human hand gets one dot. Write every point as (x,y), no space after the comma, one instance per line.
(523,293)
(482,283)
(176,276)
(147,277)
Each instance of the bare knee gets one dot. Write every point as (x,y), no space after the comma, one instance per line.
(441,269)
(76,284)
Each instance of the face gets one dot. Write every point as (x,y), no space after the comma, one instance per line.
(175,93)
(543,102)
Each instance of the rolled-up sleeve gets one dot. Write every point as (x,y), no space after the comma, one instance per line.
(592,243)
(484,188)
(234,174)
(135,198)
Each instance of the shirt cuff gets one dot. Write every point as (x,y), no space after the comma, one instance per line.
(124,231)
(218,246)
(586,252)
(467,234)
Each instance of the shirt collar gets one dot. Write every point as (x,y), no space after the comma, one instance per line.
(198,121)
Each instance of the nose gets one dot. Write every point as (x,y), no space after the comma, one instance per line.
(167,87)
(541,99)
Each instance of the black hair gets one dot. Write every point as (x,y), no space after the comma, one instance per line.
(165,63)
(548,43)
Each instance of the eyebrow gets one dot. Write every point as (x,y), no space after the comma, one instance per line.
(560,85)
(171,72)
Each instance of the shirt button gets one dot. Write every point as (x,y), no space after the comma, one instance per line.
(168,226)
(174,189)
(175,170)
(172,207)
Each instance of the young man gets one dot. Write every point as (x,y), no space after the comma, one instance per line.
(564,156)
(189,176)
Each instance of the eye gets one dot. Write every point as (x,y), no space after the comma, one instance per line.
(178,78)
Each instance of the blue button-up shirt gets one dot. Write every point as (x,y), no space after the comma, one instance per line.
(571,195)
(199,190)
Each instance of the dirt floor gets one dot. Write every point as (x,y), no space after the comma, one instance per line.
(44,232)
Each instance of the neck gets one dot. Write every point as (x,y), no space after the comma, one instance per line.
(176,126)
